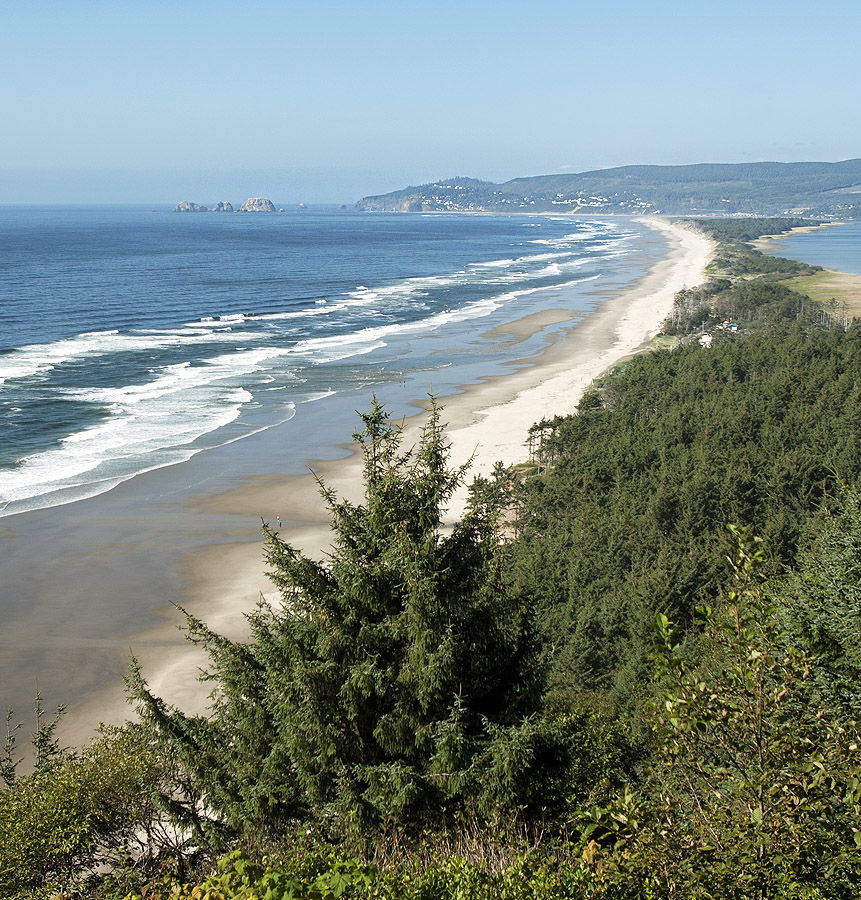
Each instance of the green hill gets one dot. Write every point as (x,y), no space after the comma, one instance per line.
(826,190)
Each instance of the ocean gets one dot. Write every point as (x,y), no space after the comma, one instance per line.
(150,360)
(134,338)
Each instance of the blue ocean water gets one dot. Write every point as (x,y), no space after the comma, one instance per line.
(133,338)
(837,247)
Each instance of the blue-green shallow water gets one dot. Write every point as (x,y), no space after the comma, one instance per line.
(147,357)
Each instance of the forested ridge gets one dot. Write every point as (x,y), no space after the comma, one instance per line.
(632,670)
(722,189)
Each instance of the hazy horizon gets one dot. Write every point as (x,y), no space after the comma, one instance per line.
(333,201)
(163,102)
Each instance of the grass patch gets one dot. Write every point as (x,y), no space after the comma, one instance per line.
(828,285)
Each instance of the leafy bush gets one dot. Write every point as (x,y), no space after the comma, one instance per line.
(68,818)
(325,877)
(753,790)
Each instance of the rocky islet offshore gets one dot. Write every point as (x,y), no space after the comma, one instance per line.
(252,204)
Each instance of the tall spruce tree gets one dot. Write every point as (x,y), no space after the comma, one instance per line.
(395,682)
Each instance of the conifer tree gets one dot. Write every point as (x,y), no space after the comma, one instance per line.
(394,683)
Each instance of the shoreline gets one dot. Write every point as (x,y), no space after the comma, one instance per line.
(767,242)
(828,285)
(487,422)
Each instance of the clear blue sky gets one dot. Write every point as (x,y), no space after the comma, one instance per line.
(325,101)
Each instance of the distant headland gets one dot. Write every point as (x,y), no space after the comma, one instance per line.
(814,189)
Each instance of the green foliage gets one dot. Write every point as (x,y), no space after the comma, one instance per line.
(10,760)
(750,304)
(594,754)
(753,789)
(397,683)
(736,261)
(748,290)
(820,602)
(76,813)
(749,229)
(327,877)
(397,695)
(237,877)
(755,429)
(46,746)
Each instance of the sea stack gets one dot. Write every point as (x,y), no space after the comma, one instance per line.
(257,204)
(223,206)
(188,206)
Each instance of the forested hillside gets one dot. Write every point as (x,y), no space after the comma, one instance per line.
(721,189)
(757,429)
(631,671)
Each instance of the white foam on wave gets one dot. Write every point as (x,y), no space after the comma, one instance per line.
(360,350)
(122,446)
(298,314)
(55,481)
(180,378)
(520,260)
(217,321)
(163,420)
(554,269)
(366,340)
(38,359)
(319,395)
(34,359)
(596,233)
(400,290)
(509,270)
(493,264)
(159,420)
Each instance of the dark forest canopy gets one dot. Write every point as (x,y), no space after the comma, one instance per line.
(757,429)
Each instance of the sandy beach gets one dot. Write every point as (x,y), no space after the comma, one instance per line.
(486,422)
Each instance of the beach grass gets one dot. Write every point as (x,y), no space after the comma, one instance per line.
(828,285)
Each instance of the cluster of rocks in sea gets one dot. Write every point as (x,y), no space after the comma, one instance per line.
(257,204)
(252,204)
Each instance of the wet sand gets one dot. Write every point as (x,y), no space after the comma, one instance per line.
(487,422)
(222,575)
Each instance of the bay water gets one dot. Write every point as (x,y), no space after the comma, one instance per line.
(836,247)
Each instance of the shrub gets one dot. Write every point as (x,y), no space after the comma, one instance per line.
(68,818)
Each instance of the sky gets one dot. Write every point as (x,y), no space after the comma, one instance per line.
(326,101)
